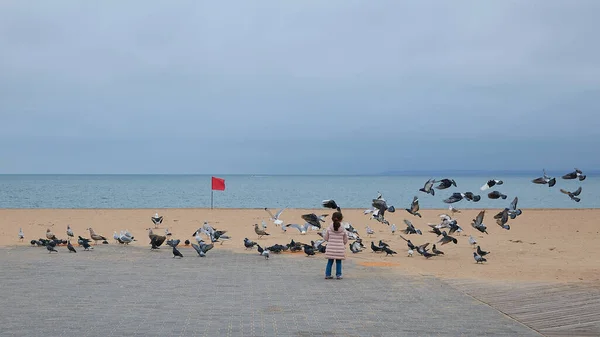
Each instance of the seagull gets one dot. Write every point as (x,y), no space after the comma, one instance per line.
(428,188)
(453,210)
(176,252)
(21,234)
(275,218)
(472,240)
(478,258)
(50,235)
(393,228)
(259,231)
(445,183)
(481,252)
(478,222)
(125,239)
(545,180)
(573,195)
(70,247)
(69,231)
(410,253)
(314,219)
(156,220)
(491,183)
(167,233)
(414,207)
(496,195)
(330,203)
(95,236)
(503,220)
(265,253)
(447,239)
(436,251)
(116,236)
(575,174)
(410,229)
(249,244)
(370,231)
(302,229)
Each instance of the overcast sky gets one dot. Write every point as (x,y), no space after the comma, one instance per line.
(298,86)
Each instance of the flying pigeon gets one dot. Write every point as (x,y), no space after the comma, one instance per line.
(381,206)
(445,183)
(573,195)
(414,207)
(545,180)
(496,195)
(314,219)
(503,220)
(447,239)
(428,188)
(575,174)
(472,197)
(491,183)
(331,204)
(410,228)
(478,222)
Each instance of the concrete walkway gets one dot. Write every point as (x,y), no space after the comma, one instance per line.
(132,291)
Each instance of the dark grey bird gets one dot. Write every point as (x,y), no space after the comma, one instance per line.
(436,251)
(434,230)
(478,259)
(381,206)
(577,174)
(409,243)
(472,197)
(481,252)
(314,219)
(414,207)
(410,228)
(50,247)
(512,209)
(491,183)
(545,179)
(331,204)
(70,247)
(200,252)
(309,250)
(455,197)
(176,252)
(155,242)
(259,249)
(186,242)
(249,244)
(478,223)
(496,195)
(422,249)
(428,188)
(173,243)
(374,248)
(355,247)
(503,219)
(86,245)
(447,239)
(573,195)
(445,183)
(388,251)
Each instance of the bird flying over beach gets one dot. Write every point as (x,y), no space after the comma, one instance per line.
(445,183)
(545,179)
(414,207)
(491,183)
(573,195)
(577,174)
(428,188)
(275,218)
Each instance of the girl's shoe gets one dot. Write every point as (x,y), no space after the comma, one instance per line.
(328,277)
(338,277)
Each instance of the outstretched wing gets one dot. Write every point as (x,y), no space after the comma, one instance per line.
(270,214)
(294,225)
(503,219)
(564,191)
(577,191)
(513,204)
(278,214)
(479,218)
(415,205)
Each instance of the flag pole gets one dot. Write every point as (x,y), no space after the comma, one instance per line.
(211,199)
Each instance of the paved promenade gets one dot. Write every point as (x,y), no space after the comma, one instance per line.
(132,291)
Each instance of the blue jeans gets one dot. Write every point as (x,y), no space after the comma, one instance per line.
(338,268)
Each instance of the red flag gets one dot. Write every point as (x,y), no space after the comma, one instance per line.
(218,184)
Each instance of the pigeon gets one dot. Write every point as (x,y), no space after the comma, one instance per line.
(455,197)
(503,220)
(50,235)
(314,219)
(186,242)
(478,222)
(173,243)
(381,206)
(331,204)
(21,234)
(512,209)
(69,231)
(249,244)
(472,197)
(95,236)
(355,247)
(472,240)
(85,244)
(388,251)
(410,228)
(200,252)
(157,220)
(453,210)
(50,248)
(414,207)
(573,195)
(445,183)
(309,250)
(369,231)
(428,188)
(491,183)
(393,228)
(496,195)
(259,249)
(265,253)
(436,251)
(410,253)
(478,259)
(435,230)
(374,248)
(545,179)
(427,254)
(447,239)
(167,233)
(481,253)
(176,252)
(408,243)
(259,232)
(70,247)
(275,218)
(577,174)
(380,196)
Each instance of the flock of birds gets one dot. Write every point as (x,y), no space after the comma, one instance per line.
(444,230)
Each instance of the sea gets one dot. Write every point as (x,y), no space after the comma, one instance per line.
(279,191)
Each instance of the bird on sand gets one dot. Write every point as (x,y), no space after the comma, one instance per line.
(491,183)
(302,229)
(410,253)
(275,218)
(200,252)
(414,207)
(259,232)
(445,183)
(50,235)
(156,220)
(545,179)
(447,239)
(478,223)
(496,195)
(173,243)
(472,240)
(95,236)
(116,236)
(428,187)
(577,174)
(155,240)
(309,250)
(265,253)
(330,203)
(573,195)
(393,228)
(69,231)
(176,252)
(85,244)
(388,251)
(369,230)
(410,228)
(21,234)
(436,251)
(355,247)
(249,244)
(374,248)
(70,247)
(478,258)
(453,210)
(481,252)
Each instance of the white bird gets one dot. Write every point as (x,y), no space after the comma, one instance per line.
(370,231)
(116,236)
(275,218)
(265,253)
(21,234)
(127,234)
(198,237)
(264,224)
(69,231)
(393,228)
(123,237)
(368,211)
(453,210)
(410,253)
(303,229)
(472,240)
(167,233)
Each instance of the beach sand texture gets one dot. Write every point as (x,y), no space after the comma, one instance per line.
(542,245)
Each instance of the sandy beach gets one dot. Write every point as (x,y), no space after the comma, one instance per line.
(542,245)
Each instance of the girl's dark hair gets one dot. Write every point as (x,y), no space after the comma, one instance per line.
(337,218)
